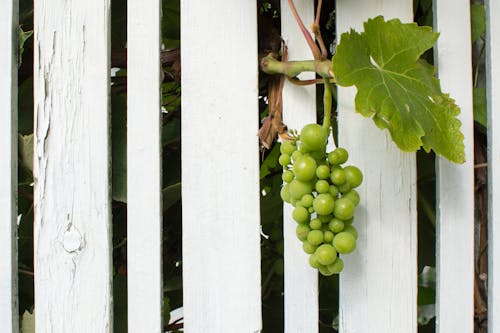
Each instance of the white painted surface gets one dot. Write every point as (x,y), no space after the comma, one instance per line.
(220,167)
(299,109)
(493,94)
(72,212)
(455,183)
(144,210)
(378,287)
(8,167)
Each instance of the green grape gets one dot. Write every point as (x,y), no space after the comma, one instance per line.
(344,242)
(337,176)
(336,225)
(298,189)
(313,261)
(315,237)
(285,193)
(296,155)
(300,215)
(284,159)
(307,200)
(314,136)
(322,186)
(353,176)
(333,190)
(287,176)
(304,148)
(326,254)
(344,209)
(328,236)
(344,188)
(324,204)
(349,222)
(350,229)
(302,231)
(288,147)
(293,201)
(338,156)
(318,155)
(308,247)
(311,210)
(337,266)
(324,271)
(304,168)
(315,224)
(323,172)
(352,195)
(325,218)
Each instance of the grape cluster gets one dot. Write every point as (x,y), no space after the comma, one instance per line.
(323,193)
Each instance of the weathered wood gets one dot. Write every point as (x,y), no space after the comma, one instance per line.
(220,167)
(299,109)
(72,226)
(144,212)
(378,287)
(8,167)
(493,94)
(455,183)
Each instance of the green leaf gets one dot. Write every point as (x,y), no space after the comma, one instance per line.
(26,147)
(397,89)
(171,194)
(478,21)
(119,147)
(270,162)
(28,322)
(23,36)
(479,95)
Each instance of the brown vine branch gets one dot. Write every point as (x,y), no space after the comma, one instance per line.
(312,45)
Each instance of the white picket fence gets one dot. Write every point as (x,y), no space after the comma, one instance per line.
(220,163)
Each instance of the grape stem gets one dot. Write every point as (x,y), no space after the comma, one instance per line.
(327,104)
(291,69)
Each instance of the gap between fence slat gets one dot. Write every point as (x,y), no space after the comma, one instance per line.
(8,167)
(72,224)
(455,183)
(299,109)
(220,167)
(493,93)
(144,209)
(378,287)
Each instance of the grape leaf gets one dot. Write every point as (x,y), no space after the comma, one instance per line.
(397,89)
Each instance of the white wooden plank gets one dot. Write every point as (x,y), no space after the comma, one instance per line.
(72,211)
(378,287)
(220,167)
(493,93)
(455,183)
(299,109)
(8,167)
(144,210)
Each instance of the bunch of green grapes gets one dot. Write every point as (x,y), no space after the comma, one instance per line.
(322,190)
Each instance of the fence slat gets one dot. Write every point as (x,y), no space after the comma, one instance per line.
(72,211)
(493,93)
(144,210)
(220,168)
(8,166)
(299,109)
(378,287)
(455,183)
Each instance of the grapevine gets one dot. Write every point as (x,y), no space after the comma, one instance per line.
(395,88)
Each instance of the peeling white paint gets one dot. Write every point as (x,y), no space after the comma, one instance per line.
(71,168)
(9,318)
